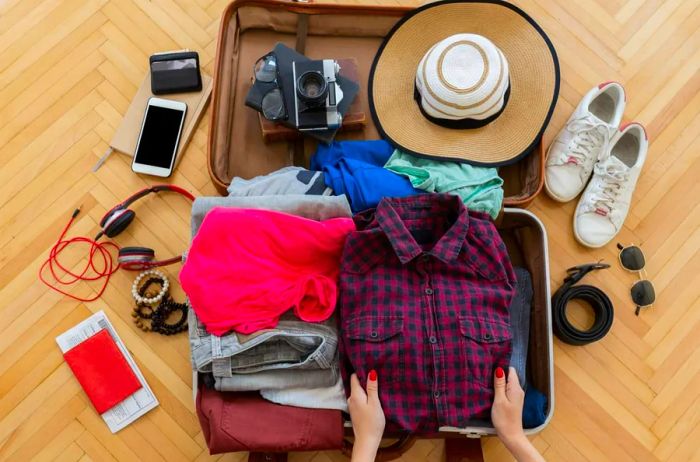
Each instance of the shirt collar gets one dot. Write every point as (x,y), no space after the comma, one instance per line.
(392,214)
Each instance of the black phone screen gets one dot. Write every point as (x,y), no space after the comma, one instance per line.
(159,136)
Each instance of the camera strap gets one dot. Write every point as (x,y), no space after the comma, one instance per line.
(296,148)
(302,32)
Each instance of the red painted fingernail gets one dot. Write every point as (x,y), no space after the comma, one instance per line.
(373,375)
(500,373)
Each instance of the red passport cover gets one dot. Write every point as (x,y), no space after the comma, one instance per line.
(102,371)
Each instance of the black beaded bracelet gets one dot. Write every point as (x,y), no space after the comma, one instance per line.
(158,315)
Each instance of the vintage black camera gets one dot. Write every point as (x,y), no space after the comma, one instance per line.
(317,94)
(300,93)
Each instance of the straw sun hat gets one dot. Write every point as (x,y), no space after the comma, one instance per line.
(472,81)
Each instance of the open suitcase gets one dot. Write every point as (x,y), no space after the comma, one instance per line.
(248,30)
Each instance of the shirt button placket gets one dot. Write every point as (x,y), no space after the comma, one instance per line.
(424,270)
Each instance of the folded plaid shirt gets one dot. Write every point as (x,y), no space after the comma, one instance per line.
(425,288)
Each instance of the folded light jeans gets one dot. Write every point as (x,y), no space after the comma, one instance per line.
(314,398)
(278,380)
(293,355)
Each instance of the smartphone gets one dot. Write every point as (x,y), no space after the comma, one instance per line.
(159,139)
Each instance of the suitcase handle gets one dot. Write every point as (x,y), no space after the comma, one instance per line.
(386,453)
(456,449)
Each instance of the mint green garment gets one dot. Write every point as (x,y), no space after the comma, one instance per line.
(480,188)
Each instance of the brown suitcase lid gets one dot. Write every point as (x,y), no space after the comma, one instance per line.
(250,28)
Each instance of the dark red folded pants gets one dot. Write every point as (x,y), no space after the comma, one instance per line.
(244,421)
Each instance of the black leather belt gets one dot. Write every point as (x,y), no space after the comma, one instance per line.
(599,301)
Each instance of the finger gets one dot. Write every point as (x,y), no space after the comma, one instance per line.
(513,381)
(372,386)
(499,384)
(356,390)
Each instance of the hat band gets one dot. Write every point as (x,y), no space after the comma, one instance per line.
(460,123)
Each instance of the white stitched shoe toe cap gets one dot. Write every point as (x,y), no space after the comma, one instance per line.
(563,182)
(594,230)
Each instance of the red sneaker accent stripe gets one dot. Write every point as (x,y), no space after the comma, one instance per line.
(627,124)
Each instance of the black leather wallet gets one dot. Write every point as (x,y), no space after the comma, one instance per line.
(175,72)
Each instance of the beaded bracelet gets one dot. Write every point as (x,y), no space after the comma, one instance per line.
(165,309)
(149,300)
(142,310)
(150,318)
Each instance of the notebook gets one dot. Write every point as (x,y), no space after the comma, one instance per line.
(126,136)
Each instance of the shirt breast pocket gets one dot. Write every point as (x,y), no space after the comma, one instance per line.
(486,344)
(375,342)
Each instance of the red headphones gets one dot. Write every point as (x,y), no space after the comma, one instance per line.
(119,217)
(100,262)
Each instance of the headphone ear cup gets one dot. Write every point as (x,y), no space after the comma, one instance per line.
(136,258)
(118,222)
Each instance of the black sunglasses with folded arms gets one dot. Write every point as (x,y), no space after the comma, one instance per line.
(265,70)
(632,259)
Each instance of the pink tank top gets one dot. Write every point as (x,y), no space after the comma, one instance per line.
(246,267)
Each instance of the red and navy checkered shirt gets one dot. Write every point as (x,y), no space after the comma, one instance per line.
(425,287)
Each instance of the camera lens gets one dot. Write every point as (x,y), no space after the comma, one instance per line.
(312,88)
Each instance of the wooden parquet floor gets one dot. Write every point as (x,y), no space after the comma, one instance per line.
(68,69)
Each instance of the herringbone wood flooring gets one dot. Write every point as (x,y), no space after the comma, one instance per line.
(68,69)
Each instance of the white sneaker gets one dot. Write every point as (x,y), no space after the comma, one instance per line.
(603,207)
(583,140)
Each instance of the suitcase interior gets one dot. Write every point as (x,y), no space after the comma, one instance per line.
(526,240)
(249,29)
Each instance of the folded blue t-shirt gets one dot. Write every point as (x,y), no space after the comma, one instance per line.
(356,169)
(534,408)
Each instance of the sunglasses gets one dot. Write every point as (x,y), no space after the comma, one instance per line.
(265,70)
(632,259)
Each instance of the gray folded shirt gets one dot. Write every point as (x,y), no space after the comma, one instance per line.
(287,180)
(312,207)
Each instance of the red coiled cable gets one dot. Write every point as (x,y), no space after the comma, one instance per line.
(96,271)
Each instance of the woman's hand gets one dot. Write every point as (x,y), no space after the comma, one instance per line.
(367,418)
(507,409)
(507,416)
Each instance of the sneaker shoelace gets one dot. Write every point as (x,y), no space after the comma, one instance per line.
(589,134)
(611,176)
